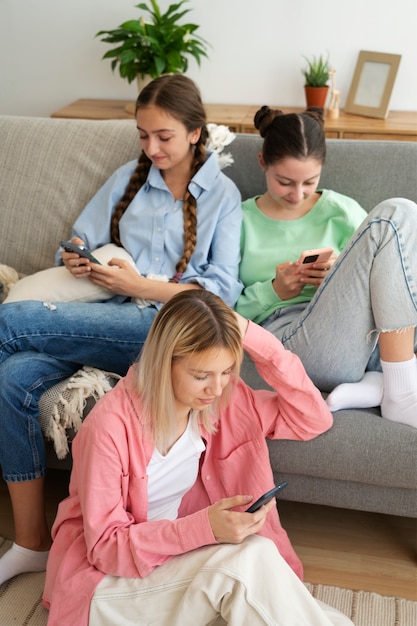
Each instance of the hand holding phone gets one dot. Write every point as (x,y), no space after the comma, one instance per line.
(266,498)
(83,251)
(317,255)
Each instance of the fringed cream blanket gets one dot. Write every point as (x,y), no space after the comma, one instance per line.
(62,406)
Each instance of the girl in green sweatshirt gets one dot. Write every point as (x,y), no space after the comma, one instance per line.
(352,318)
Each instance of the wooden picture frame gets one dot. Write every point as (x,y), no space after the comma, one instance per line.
(372,84)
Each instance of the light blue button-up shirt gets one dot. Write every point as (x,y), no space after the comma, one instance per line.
(152,228)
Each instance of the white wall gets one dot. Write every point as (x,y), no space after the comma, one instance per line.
(50,57)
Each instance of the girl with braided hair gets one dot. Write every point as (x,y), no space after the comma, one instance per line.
(172,131)
(176,214)
(351,319)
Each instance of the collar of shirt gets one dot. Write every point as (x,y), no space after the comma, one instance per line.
(201,181)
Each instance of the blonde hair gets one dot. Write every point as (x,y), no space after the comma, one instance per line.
(179,96)
(190,322)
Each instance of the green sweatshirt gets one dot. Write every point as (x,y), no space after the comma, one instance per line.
(267,242)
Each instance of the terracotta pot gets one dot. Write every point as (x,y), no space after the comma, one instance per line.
(316,96)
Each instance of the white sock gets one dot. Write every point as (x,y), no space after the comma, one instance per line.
(19,560)
(399,403)
(361,395)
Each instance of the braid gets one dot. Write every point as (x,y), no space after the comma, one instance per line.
(136,181)
(190,214)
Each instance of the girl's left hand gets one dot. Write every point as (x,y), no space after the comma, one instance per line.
(119,276)
(315,273)
(231,526)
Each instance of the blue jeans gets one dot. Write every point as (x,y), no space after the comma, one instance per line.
(40,346)
(371,288)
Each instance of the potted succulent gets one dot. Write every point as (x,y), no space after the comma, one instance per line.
(316,76)
(152,48)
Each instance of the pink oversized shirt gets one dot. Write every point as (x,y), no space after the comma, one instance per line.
(102,527)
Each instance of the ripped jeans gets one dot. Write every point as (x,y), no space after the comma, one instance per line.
(371,288)
(41,345)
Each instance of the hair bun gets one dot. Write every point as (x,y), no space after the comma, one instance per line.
(264,118)
(316,113)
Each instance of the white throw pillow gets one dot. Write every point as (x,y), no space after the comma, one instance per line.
(57,284)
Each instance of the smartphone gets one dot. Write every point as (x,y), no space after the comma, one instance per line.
(81,250)
(319,255)
(266,498)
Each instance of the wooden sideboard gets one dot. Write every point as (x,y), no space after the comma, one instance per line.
(399,125)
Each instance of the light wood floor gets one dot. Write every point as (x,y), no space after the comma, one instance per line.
(349,549)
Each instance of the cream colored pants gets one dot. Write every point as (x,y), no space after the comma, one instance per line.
(248,584)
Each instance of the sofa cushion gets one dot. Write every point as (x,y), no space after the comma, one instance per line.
(51,168)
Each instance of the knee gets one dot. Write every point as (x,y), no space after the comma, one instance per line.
(11,390)
(9,313)
(260,548)
(401,209)
(17,373)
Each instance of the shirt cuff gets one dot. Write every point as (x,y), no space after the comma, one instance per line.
(266,294)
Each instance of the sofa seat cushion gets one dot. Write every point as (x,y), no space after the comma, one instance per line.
(361,446)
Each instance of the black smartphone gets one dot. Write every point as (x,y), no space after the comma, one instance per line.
(81,250)
(266,498)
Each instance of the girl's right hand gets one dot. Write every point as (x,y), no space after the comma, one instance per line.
(231,526)
(287,282)
(79,266)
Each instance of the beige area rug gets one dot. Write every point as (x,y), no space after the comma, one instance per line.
(20,603)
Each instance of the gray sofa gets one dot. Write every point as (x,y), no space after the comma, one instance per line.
(49,168)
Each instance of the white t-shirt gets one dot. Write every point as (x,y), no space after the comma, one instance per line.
(172,475)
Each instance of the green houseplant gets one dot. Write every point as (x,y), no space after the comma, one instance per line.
(161,46)
(316,75)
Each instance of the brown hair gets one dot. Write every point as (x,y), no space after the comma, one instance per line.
(297,135)
(179,96)
(188,323)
